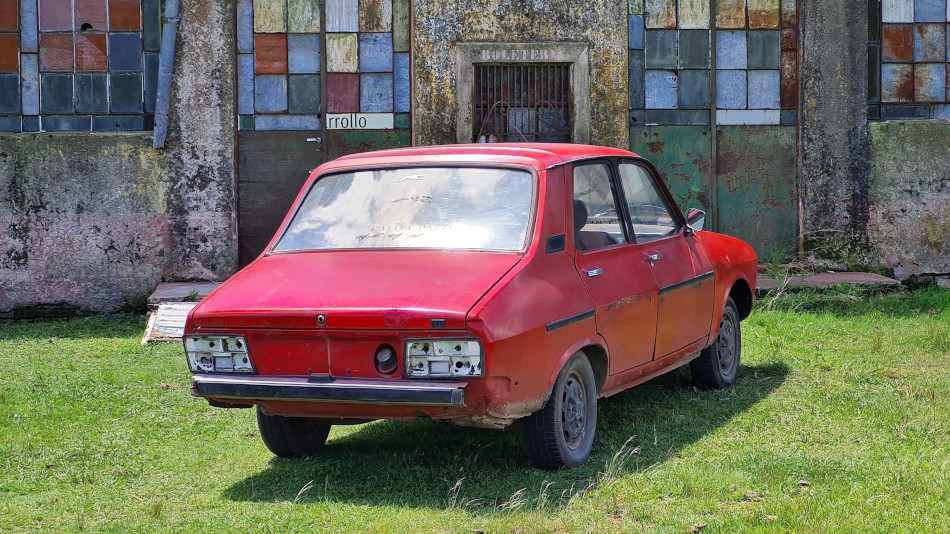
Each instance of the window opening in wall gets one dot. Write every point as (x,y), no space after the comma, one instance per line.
(523,103)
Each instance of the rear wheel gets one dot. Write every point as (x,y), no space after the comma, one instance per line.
(718,364)
(562,433)
(291,437)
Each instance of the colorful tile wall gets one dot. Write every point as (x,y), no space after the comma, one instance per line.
(908,55)
(71,64)
(754,47)
(288,70)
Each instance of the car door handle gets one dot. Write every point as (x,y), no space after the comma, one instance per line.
(594,272)
(655,256)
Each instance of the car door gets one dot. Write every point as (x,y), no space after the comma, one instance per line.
(611,265)
(684,275)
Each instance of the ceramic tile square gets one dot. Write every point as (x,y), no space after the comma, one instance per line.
(930,10)
(401,83)
(637,80)
(92,93)
(402,121)
(303,53)
(303,94)
(343,93)
(10,124)
(906,112)
(739,117)
(660,49)
(270,53)
(660,13)
(118,123)
(789,14)
(57,91)
(763,49)
(763,91)
(694,49)
(789,79)
(731,89)
(126,93)
(246,122)
(897,82)
(29,33)
(897,10)
(694,89)
(67,124)
(661,90)
(930,42)
(270,16)
(764,14)
(245,74)
(31,124)
(245,26)
(930,82)
(91,52)
(270,94)
(56,15)
(376,15)
(635,7)
(342,52)
(898,42)
(125,14)
(790,39)
(286,122)
(150,25)
(151,82)
(376,93)
(376,52)
(56,52)
(635,32)
(342,15)
(9,14)
(90,14)
(788,117)
(730,14)
(9,52)
(941,112)
(694,117)
(731,50)
(638,117)
(303,16)
(125,52)
(401,25)
(30,80)
(10,93)
(693,14)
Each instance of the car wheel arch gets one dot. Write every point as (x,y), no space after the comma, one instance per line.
(594,349)
(741,294)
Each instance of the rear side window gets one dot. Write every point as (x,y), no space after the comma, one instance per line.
(649,213)
(597,221)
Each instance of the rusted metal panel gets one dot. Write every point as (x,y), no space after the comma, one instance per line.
(930,82)
(303,16)
(344,142)
(789,14)
(898,42)
(270,16)
(930,42)
(763,14)
(897,82)
(757,190)
(342,52)
(730,14)
(694,14)
(400,25)
(789,83)
(897,10)
(683,156)
(376,15)
(660,13)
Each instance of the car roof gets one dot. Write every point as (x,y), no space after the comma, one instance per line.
(536,155)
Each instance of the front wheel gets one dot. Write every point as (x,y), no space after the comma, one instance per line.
(718,364)
(561,434)
(291,437)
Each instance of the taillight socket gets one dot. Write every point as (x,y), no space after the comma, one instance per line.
(385,360)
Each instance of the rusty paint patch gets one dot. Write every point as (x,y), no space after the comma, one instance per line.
(730,14)
(763,14)
(656,147)
(376,15)
(660,13)
(789,79)
(898,42)
(790,39)
(789,14)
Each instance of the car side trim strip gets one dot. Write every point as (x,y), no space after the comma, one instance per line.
(569,320)
(353,391)
(691,281)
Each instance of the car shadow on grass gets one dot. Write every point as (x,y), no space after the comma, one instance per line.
(427,464)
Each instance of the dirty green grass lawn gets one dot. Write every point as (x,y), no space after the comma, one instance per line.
(839,423)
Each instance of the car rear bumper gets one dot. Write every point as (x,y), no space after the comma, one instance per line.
(352,391)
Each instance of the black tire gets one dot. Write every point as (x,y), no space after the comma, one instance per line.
(718,364)
(561,434)
(291,437)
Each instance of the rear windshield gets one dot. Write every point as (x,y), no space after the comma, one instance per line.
(428,207)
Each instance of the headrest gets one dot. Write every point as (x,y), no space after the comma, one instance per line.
(580,214)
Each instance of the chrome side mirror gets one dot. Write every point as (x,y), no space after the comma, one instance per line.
(696,219)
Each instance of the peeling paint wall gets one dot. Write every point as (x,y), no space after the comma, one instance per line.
(438,25)
(93,221)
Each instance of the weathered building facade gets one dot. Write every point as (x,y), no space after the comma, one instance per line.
(816,127)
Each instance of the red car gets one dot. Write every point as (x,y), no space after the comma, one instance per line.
(483,285)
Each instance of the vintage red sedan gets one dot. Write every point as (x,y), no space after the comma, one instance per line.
(483,285)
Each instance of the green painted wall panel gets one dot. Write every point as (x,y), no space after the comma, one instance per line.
(682,154)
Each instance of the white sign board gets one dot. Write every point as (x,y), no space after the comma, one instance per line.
(360,121)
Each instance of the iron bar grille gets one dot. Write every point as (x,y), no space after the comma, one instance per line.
(523,103)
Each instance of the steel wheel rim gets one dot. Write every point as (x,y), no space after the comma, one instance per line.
(727,345)
(574,410)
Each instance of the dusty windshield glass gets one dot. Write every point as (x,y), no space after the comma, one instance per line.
(444,207)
